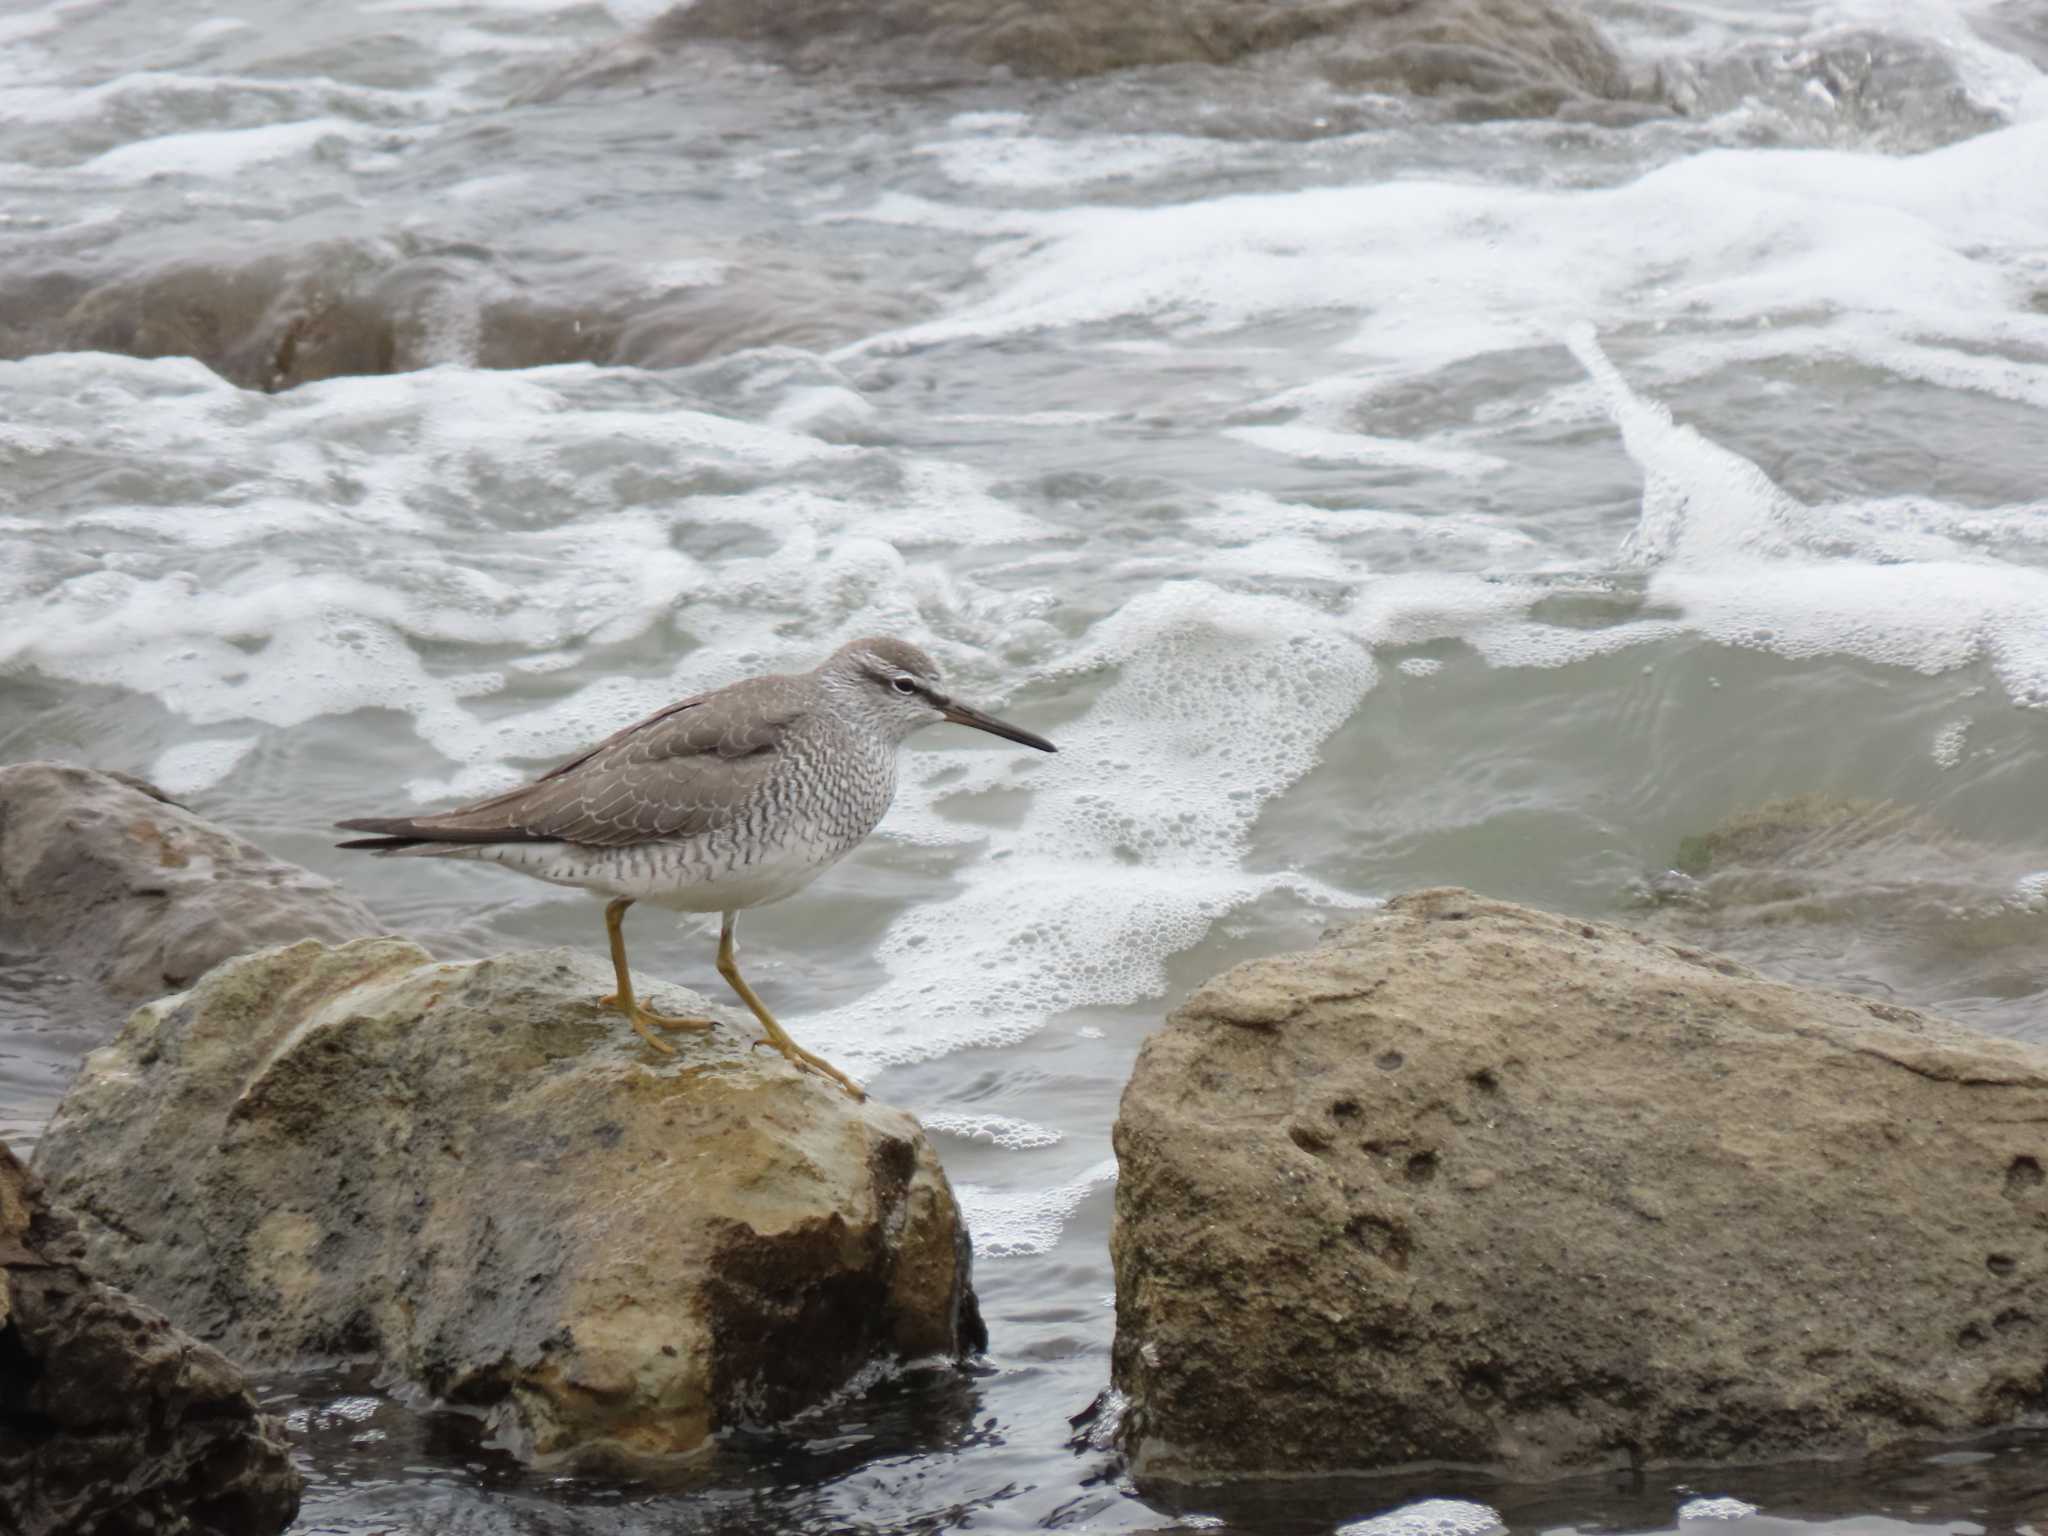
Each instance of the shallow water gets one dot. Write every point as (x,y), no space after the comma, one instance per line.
(1362,497)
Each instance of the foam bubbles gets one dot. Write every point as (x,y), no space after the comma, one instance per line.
(1008,1224)
(1714,1509)
(1132,841)
(1009,1134)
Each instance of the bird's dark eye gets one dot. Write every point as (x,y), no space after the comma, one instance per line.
(903,685)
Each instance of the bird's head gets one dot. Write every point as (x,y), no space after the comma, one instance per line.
(898,686)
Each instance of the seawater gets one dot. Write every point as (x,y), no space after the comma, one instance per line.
(1362,498)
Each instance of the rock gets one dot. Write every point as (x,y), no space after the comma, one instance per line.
(482,1180)
(1798,830)
(1519,56)
(113,1422)
(1813,887)
(273,319)
(1479,1184)
(128,889)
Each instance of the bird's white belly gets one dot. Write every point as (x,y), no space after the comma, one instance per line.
(779,872)
(683,877)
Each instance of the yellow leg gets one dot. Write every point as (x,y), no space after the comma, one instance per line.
(623,999)
(778,1037)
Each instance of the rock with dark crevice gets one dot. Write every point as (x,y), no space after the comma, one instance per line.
(1481,1184)
(134,893)
(480,1179)
(112,1422)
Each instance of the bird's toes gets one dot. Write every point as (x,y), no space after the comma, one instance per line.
(679,1021)
(806,1062)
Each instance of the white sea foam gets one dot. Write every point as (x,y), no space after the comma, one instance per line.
(1320,445)
(195,765)
(1282,557)
(1012,1223)
(1242,514)
(1429,1517)
(1029,164)
(1700,502)
(1888,247)
(286,633)
(1747,565)
(1012,1135)
(1132,841)
(221,152)
(1714,1509)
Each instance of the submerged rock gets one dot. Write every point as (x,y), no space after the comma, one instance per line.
(1476,1183)
(1818,886)
(1799,830)
(111,1420)
(1497,57)
(275,319)
(129,890)
(476,1176)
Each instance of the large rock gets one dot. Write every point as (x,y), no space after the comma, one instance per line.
(128,889)
(112,1422)
(1499,57)
(1479,1184)
(478,1177)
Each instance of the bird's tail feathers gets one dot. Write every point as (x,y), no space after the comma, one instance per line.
(423,834)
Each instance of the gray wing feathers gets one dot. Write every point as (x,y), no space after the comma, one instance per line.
(687,769)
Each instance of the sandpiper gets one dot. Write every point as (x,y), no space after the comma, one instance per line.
(727,800)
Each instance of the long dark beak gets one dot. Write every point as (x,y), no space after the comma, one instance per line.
(967,714)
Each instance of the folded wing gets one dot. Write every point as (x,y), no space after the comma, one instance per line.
(687,769)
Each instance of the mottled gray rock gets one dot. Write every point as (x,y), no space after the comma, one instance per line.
(1502,57)
(1475,1183)
(480,1178)
(112,1422)
(128,889)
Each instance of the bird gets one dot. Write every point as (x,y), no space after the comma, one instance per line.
(719,802)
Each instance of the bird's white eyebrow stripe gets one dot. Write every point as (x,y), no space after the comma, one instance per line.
(918,684)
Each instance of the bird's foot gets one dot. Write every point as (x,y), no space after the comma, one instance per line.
(805,1061)
(640,1018)
(659,1020)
